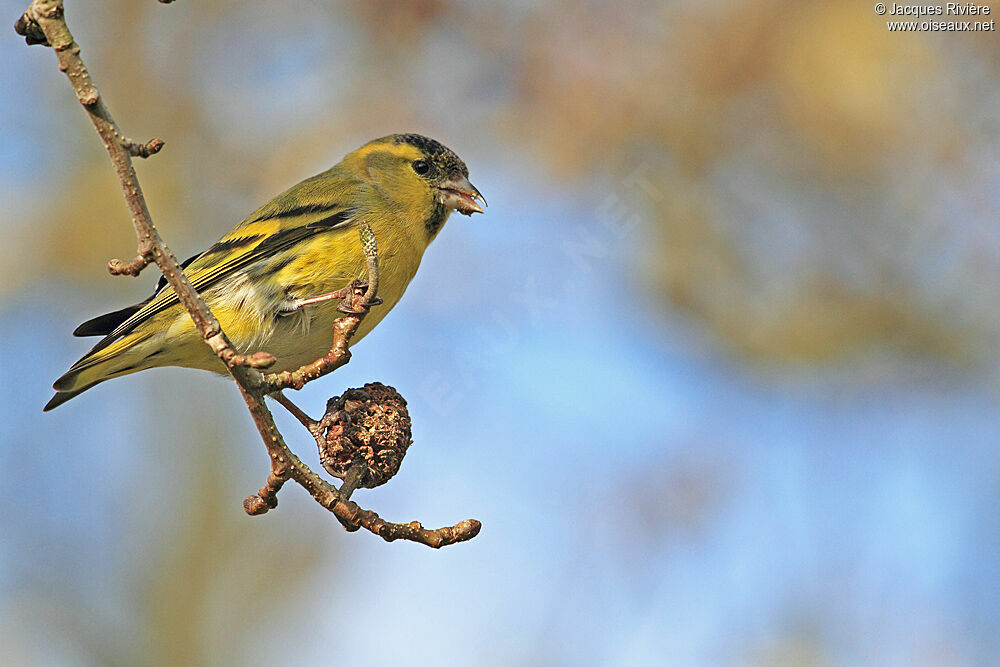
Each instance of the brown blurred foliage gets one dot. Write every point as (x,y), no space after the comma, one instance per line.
(795,162)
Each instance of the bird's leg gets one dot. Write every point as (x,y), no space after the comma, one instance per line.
(342,293)
(346,294)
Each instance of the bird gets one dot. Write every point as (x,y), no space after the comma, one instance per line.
(265,279)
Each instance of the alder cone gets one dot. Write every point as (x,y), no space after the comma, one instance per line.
(370,426)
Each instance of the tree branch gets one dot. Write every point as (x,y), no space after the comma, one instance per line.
(44,23)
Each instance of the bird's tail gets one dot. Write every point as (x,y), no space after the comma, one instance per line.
(61,397)
(109,358)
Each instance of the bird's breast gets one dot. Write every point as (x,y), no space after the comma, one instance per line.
(302,337)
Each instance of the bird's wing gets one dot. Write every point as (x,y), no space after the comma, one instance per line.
(272,229)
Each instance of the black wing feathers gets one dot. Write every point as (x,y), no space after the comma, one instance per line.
(334,220)
(104,324)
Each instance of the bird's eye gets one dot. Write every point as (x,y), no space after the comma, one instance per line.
(421,167)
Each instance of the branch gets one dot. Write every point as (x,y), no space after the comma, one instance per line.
(44,23)
(285,465)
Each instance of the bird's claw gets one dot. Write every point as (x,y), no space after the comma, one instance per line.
(350,307)
(346,308)
(354,303)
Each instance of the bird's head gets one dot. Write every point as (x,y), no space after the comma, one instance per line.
(412,169)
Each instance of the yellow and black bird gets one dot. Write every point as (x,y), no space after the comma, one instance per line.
(262,278)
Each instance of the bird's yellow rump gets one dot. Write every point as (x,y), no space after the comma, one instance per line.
(261,279)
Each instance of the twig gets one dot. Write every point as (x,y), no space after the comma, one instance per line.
(44,23)
(296,411)
(47,17)
(350,515)
(352,481)
(116,267)
(135,149)
(339,354)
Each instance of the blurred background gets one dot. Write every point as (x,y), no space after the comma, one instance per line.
(717,370)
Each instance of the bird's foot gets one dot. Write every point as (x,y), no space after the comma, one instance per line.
(354,302)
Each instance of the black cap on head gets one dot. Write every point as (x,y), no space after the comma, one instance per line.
(444,157)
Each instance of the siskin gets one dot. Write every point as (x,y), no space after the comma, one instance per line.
(262,279)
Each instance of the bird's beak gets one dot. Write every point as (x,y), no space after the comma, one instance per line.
(458,194)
